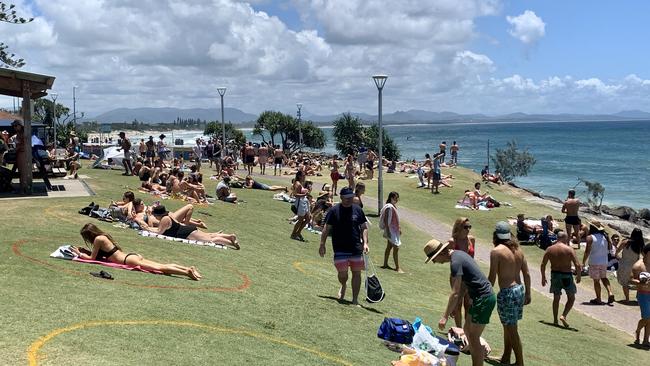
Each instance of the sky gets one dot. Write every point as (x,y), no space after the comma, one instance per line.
(465,56)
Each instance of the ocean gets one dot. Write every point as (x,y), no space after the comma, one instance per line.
(616,154)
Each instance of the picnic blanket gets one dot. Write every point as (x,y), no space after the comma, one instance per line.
(150,234)
(465,205)
(64,252)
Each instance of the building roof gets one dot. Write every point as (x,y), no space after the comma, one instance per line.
(11,83)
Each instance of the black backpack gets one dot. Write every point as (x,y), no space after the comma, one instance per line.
(374,291)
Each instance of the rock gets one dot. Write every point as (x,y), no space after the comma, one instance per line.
(624,212)
(644,214)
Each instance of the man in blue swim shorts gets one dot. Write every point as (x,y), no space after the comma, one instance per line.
(507,262)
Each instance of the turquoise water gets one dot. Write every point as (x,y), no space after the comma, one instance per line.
(616,154)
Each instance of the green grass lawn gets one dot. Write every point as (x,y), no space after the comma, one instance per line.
(270,303)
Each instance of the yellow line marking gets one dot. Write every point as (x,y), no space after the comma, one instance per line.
(34,348)
(297,265)
(51,212)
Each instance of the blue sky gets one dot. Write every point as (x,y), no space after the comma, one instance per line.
(466,56)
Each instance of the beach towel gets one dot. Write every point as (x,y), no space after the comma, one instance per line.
(464,206)
(65,252)
(179,240)
(390,216)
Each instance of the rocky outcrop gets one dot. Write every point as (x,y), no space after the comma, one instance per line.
(623,212)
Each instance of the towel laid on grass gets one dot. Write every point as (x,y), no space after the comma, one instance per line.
(389,222)
(65,252)
(179,240)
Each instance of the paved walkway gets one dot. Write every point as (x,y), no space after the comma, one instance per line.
(621,317)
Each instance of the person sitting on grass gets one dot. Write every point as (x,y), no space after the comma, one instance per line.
(223,191)
(250,183)
(104,248)
(193,188)
(168,226)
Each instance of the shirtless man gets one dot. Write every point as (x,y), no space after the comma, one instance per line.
(572,221)
(263,153)
(249,157)
(506,261)
(561,255)
(454,153)
(443,149)
(643,295)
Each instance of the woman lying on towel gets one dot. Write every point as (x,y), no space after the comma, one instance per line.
(142,216)
(170,227)
(104,248)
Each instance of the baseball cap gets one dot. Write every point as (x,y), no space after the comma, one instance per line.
(347,192)
(502,230)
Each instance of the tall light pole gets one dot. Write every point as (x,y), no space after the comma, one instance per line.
(299,105)
(380,80)
(222,91)
(54,95)
(74,105)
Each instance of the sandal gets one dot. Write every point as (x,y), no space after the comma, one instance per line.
(102,274)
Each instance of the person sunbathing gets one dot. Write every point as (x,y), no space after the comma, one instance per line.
(192,188)
(153,188)
(104,248)
(250,183)
(121,210)
(168,226)
(142,216)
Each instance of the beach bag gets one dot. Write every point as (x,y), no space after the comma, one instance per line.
(374,291)
(396,330)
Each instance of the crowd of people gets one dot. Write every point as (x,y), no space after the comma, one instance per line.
(472,296)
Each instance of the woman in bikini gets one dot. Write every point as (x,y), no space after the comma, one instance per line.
(168,226)
(463,241)
(143,217)
(300,191)
(349,171)
(334,173)
(104,248)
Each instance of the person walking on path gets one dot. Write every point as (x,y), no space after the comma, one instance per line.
(465,271)
(389,222)
(349,227)
(561,255)
(572,220)
(506,262)
(278,159)
(598,245)
(125,145)
(642,282)
(462,240)
(629,251)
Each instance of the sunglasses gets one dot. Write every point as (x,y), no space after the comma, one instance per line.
(467,227)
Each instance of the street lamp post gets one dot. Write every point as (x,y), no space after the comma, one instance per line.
(299,105)
(74,105)
(54,95)
(222,91)
(380,80)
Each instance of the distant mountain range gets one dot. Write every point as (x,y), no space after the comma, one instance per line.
(168,115)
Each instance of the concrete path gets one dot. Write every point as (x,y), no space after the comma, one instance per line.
(621,317)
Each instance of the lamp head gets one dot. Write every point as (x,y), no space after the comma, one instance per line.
(380,80)
(54,95)
(222,90)
(299,105)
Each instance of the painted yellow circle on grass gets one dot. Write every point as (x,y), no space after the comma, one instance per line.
(34,348)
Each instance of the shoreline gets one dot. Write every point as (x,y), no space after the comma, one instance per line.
(617,223)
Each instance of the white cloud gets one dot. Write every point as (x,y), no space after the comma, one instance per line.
(527,27)
(175,53)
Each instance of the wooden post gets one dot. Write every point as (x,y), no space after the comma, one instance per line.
(27,164)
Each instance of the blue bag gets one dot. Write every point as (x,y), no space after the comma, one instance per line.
(396,330)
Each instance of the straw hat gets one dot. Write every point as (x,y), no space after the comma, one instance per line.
(597,225)
(433,248)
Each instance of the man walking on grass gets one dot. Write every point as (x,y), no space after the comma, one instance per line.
(465,273)
(125,145)
(506,262)
(561,255)
(349,227)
